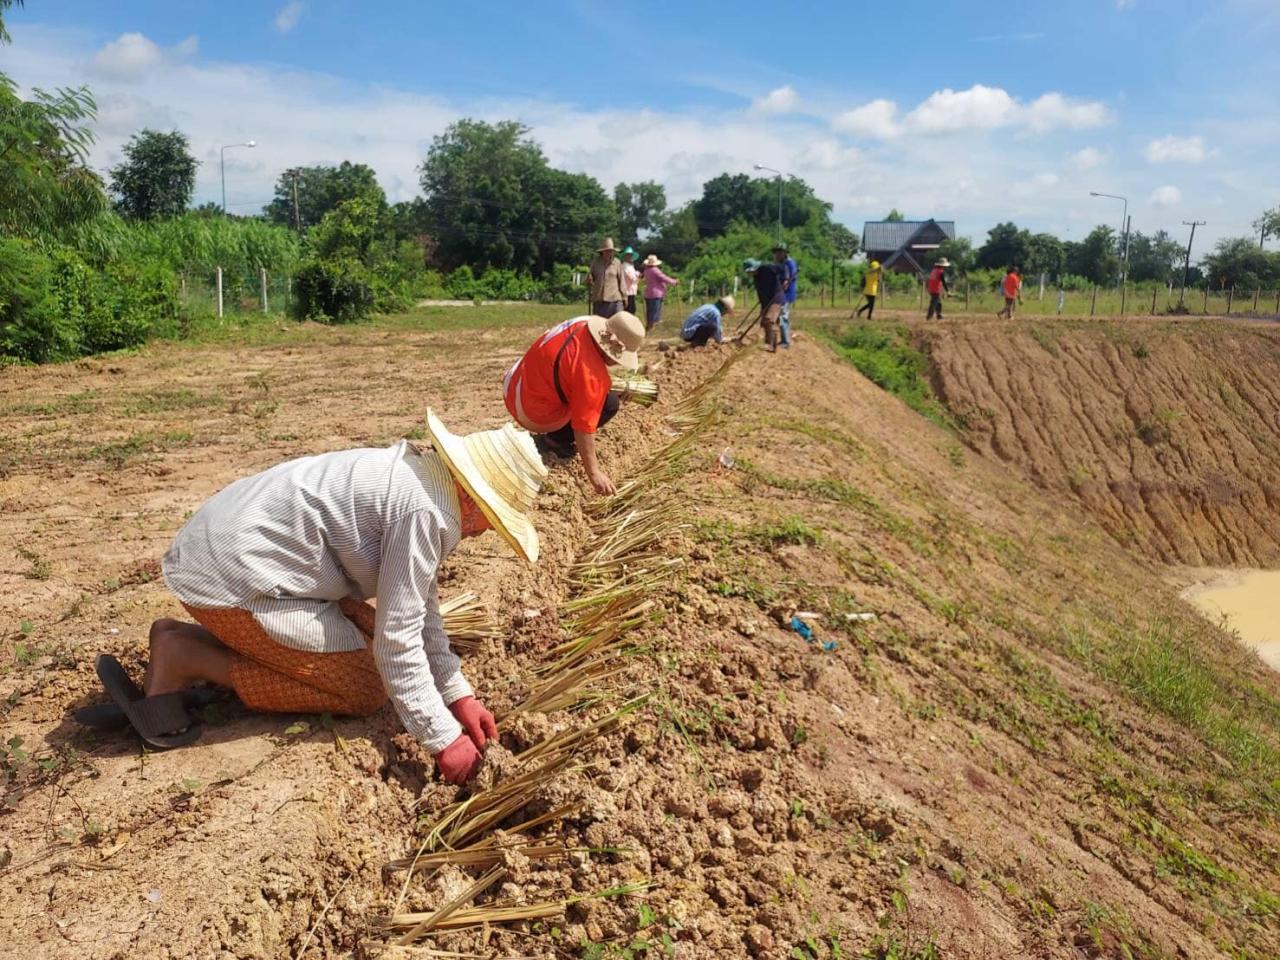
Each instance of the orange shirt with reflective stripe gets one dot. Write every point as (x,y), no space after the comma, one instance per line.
(584,377)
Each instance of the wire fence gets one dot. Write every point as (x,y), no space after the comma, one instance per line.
(235,293)
(1130,300)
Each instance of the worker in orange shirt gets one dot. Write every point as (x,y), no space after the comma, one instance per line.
(1011,286)
(937,285)
(561,389)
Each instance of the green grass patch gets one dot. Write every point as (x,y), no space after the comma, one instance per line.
(119,452)
(885,355)
(793,530)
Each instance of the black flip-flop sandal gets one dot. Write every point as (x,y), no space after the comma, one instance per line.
(109,716)
(162,721)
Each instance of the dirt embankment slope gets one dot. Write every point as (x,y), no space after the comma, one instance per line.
(1166,432)
(972,773)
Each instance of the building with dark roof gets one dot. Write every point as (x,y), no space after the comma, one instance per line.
(901,245)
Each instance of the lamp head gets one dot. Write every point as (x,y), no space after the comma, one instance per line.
(252,143)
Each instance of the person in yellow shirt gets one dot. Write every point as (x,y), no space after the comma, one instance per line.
(870,289)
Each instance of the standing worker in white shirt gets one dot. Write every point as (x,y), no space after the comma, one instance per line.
(276,569)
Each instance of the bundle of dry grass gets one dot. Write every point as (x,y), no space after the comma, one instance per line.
(635,387)
(466,621)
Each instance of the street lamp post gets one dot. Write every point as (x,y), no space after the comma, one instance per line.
(223,166)
(777,173)
(1124,230)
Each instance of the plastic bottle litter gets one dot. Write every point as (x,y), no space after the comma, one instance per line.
(726,459)
(859,617)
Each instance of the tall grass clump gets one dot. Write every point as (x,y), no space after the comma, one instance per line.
(885,355)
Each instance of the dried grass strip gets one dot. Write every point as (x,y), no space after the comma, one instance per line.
(433,920)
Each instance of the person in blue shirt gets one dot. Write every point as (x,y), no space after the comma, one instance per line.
(705,323)
(781,256)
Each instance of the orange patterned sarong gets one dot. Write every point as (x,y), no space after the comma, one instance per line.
(269,676)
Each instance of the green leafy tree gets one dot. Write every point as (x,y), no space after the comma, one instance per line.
(731,198)
(959,251)
(894,216)
(1268,225)
(157,176)
(1005,245)
(1045,254)
(1241,264)
(1157,257)
(1094,258)
(641,207)
(320,189)
(679,238)
(492,199)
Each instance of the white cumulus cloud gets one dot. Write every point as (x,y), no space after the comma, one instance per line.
(128,57)
(878,119)
(979,108)
(1087,158)
(1173,149)
(287,17)
(1166,196)
(782,100)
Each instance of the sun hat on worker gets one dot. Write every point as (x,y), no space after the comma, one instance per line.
(652,260)
(727,302)
(942,262)
(501,471)
(780,246)
(875,264)
(750,265)
(607,245)
(628,251)
(618,337)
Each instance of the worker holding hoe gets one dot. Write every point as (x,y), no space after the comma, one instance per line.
(1011,287)
(276,569)
(870,289)
(705,323)
(561,390)
(770,280)
(937,286)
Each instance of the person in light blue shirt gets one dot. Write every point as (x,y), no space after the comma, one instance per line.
(705,323)
(780,255)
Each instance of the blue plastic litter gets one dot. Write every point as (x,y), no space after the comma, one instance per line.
(806,631)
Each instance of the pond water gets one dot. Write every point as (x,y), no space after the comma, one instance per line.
(1250,601)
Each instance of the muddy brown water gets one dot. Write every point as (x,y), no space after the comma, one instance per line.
(1249,600)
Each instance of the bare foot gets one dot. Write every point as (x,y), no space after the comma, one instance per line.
(181,654)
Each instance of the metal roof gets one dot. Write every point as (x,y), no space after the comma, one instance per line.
(881,235)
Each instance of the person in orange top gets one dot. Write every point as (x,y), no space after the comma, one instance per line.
(1011,286)
(937,285)
(561,391)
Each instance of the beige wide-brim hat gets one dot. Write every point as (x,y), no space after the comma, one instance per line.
(607,245)
(501,471)
(942,262)
(652,261)
(618,337)
(729,305)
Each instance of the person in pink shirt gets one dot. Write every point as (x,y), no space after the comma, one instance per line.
(630,280)
(655,289)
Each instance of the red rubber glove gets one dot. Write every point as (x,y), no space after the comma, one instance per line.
(459,761)
(475,719)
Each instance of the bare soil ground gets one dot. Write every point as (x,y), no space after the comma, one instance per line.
(1165,431)
(958,777)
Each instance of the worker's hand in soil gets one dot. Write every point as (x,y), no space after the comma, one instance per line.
(475,719)
(459,761)
(601,483)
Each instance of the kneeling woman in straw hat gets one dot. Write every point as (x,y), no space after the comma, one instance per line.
(277,567)
(560,390)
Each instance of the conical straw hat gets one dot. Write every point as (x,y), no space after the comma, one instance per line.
(501,470)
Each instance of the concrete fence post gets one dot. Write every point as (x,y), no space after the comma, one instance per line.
(262,272)
(219,293)
(1093,300)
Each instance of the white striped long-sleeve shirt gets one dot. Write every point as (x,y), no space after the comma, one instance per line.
(290,542)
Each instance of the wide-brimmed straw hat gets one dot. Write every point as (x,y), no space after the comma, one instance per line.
(607,245)
(652,260)
(501,471)
(619,337)
(942,262)
(727,302)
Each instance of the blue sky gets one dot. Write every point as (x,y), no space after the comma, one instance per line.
(964,112)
